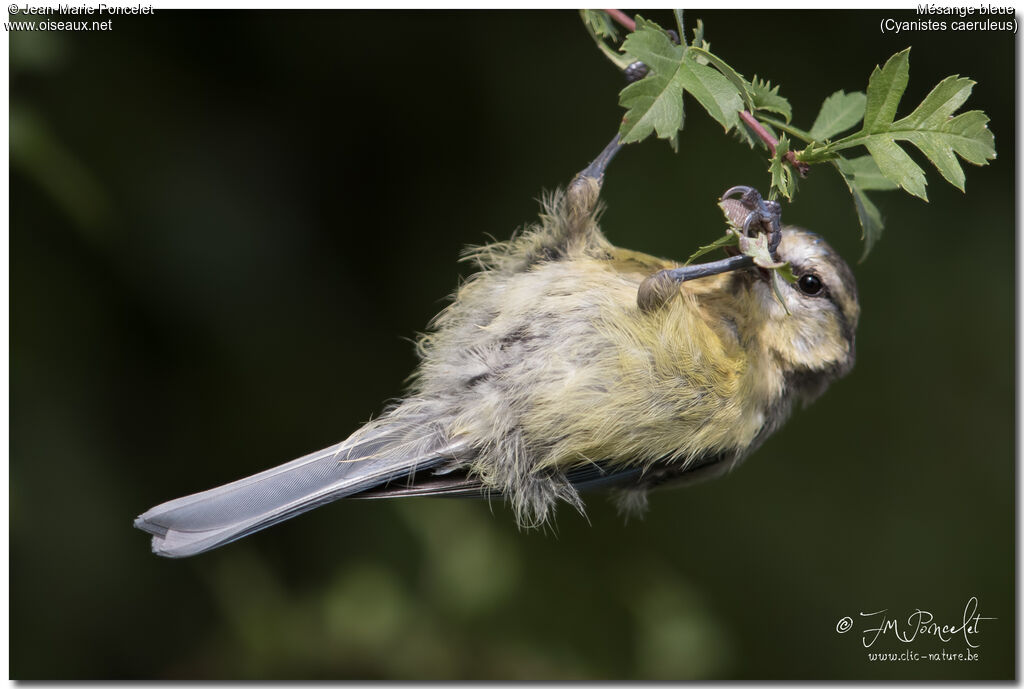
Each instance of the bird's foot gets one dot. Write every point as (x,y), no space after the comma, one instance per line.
(755,215)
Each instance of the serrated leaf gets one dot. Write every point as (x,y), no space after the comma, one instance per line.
(655,103)
(943,100)
(728,239)
(698,35)
(601,23)
(817,152)
(899,167)
(782,176)
(620,60)
(856,173)
(651,44)
(839,112)
(870,220)
(885,88)
(699,42)
(757,248)
(966,134)
(930,127)
(712,90)
(767,98)
(734,77)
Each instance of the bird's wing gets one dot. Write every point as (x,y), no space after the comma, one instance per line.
(461,483)
(594,476)
(379,454)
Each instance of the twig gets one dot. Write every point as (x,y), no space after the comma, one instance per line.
(802,168)
(772,142)
(622,18)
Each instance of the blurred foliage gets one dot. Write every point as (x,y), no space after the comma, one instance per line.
(217,251)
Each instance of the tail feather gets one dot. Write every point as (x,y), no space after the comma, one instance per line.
(197,523)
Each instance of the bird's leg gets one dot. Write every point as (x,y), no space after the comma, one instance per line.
(597,167)
(703,270)
(658,289)
(586,187)
(754,215)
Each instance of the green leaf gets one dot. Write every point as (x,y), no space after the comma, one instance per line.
(729,239)
(839,112)
(895,164)
(601,23)
(786,272)
(939,105)
(966,134)
(782,176)
(861,174)
(699,42)
(766,98)
(741,85)
(698,36)
(680,28)
(864,172)
(652,44)
(816,152)
(655,103)
(870,219)
(757,248)
(885,88)
(931,127)
(711,89)
(620,60)
(778,286)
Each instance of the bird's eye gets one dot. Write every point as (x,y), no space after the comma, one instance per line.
(810,284)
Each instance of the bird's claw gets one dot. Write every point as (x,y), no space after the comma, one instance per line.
(764,216)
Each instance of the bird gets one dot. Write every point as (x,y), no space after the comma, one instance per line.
(566,364)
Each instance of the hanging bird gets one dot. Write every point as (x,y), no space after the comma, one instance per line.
(567,364)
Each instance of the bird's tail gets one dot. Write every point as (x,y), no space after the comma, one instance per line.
(378,453)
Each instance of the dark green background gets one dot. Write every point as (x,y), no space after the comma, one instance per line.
(225,226)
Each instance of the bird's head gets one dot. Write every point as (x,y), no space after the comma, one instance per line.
(813,335)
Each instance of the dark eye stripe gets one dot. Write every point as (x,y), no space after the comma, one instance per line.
(829,294)
(844,320)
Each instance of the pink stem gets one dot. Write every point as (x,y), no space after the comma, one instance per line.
(622,18)
(772,142)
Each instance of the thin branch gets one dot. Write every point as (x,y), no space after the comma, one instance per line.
(772,142)
(789,129)
(623,19)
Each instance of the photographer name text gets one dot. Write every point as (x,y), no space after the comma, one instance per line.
(82,10)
